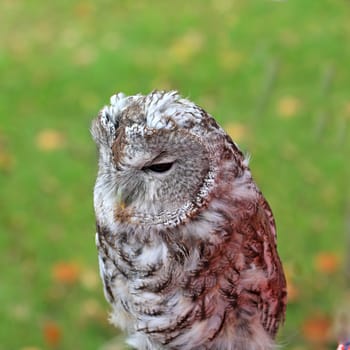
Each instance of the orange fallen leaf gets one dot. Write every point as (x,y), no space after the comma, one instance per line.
(52,333)
(316,329)
(327,262)
(288,106)
(50,140)
(65,272)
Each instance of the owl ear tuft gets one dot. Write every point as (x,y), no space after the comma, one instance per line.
(103,128)
(109,120)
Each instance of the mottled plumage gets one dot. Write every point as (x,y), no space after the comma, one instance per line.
(186,241)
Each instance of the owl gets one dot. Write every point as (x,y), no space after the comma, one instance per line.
(186,241)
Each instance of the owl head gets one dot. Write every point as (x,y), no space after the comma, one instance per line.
(159,159)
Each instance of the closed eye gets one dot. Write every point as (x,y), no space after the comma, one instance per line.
(160,167)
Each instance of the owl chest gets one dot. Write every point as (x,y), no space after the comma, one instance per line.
(154,294)
(136,275)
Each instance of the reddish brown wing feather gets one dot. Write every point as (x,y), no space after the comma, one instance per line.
(275,294)
(251,242)
(265,205)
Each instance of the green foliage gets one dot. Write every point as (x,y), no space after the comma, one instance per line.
(277,71)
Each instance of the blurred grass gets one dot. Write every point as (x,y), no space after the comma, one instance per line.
(275,73)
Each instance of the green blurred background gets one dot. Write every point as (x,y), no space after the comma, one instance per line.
(276,75)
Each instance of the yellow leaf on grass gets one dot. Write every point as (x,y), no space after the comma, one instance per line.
(292,290)
(6,160)
(50,140)
(229,60)
(224,7)
(347,109)
(318,223)
(161,83)
(288,107)
(83,9)
(289,38)
(84,56)
(185,47)
(237,131)
(90,279)
(21,312)
(90,308)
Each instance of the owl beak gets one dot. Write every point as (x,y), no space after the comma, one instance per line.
(120,201)
(122,213)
